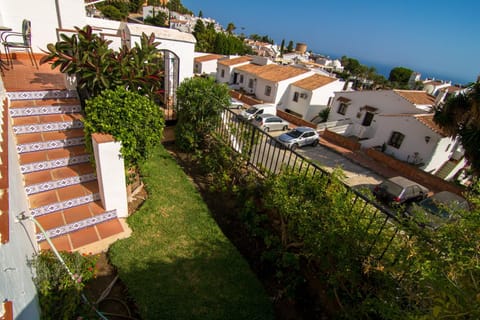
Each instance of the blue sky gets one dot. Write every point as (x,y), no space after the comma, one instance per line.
(437,38)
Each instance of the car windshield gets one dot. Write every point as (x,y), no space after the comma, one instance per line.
(294,133)
(252,110)
(430,205)
(392,188)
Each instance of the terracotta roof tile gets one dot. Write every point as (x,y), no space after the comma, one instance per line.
(272,72)
(314,82)
(416,97)
(427,120)
(208,57)
(234,61)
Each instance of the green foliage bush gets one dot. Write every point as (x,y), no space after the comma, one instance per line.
(199,104)
(97,67)
(131,118)
(59,295)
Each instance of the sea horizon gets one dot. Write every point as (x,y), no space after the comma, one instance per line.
(384,70)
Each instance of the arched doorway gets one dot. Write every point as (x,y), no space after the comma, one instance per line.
(167,96)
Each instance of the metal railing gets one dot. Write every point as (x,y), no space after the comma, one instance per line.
(267,156)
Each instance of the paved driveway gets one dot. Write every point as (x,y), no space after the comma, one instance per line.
(355,175)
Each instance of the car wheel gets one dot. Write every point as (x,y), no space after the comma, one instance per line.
(239,107)
(314,143)
(285,128)
(294,146)
(267,129)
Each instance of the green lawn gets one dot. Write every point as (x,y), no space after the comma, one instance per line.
(178,264)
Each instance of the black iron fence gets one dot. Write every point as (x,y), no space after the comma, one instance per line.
(267,156)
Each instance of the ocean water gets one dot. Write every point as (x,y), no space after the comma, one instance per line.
(384,70)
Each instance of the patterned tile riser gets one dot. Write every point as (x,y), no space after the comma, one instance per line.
(44,127)
(52,164)
(52,233)
(52,144)
(50,185)
(39,95)
(40,211)
(43,110)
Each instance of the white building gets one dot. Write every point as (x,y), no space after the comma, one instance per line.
(206,64)
(266,80)
(307,97)
(225,68)
(399,122)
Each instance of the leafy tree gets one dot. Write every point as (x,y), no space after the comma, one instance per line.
(282,47)
(460,116)
(199,104)
(131,118)
(98,67)
(290,46)
(400,76)
(136,5)
(158,19)
(200,14)
(114,9)
(177,6)
(230,28)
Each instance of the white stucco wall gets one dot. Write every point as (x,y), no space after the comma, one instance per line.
(16,283)
(386,102)
(207,67)
(316,100)
(44,18)
(432,154)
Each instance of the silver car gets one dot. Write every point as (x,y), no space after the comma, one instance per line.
(269,122)
(235,104)
(299,137)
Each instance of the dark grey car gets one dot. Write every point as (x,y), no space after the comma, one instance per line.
(400,190)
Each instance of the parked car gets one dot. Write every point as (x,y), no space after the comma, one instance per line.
(257,109)
(269,122)
(235,104)
(437,209)
(299,137)
(400,190)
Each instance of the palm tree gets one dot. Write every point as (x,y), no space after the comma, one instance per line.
(460,116)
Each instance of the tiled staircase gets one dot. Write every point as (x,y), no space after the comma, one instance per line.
(59,180)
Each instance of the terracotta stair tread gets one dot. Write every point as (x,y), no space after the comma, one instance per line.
(58,173)
(50,197)
(52,154)
(38,119)
(71,215)
(49,136)
(43,102)
(85,236)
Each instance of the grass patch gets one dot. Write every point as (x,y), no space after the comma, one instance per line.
(178,264)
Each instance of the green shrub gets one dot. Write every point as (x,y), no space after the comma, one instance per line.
(133,119)
(199,104)
(59,295)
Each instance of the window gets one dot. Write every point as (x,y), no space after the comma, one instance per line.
(222,74)
(250,83)
(268,90)
(241,78)
(342,108)
(396,139)
(295,96)
(367,120)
